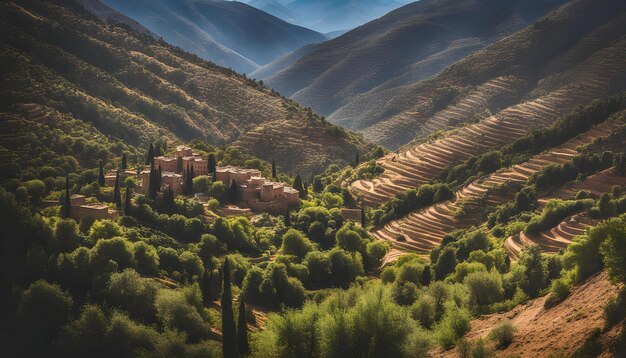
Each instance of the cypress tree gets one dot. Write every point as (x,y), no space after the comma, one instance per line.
(363,221)
(127,202)
(150,157)
(297,184)
(287,219)
(212,165)
(426,276)
(232,192)
(357,159)
(159,178)
(67,204)
(191,174)
(101,181)
(229,347)
(273,169)
(123,161)
(205,286)
(188,182)
(242,329)
(179,165)
(117,195)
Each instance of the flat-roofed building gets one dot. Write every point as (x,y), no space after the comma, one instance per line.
(97,211)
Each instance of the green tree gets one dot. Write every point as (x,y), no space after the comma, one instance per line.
(150,156)
(426,276)
(363,218)
(233,192)
(295,243)
(287,219)
(273,169)
(43,309)
(446,263)
(67,203)
(357,159)
(128,206)
(101,181)
(212,165)
(297,184)
(242,329)
(536,271)
(229,344)
(117,195)
(123,165)
(613,249)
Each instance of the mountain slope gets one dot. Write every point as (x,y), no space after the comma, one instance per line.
(409,44)
(327,15)
(228,33)
(133,89)
(525,82)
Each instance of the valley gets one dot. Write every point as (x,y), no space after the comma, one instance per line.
(208,178)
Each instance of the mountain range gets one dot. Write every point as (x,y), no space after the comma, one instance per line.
(228,33)
(347,78)
(131,89)
(328,16)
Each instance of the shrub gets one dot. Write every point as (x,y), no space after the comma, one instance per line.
(295,243)
(454,324)
(503,334)
(388,275)
(404,292)
(559,290)
(485,287)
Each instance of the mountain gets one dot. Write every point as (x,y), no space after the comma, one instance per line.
(228,33)
(349,76)
(99,9)
(128,89)
(328,16)
(525,82)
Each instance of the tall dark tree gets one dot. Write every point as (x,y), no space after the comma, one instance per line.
(101,181)
(123,165)
(127,202)
(159,178)
(297,184)
(191,173)
(212,165)
(426,276)
(188,182)
(168,201)
(242,329)
(67,202)
(179,165)
(357,159)
(205,286)
(229,344)
(287,219)
(273,169)
(150,157)
(363,219)
(233,192)
(117,195)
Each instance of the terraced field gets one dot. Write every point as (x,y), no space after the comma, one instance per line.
(559,237)
(423,230)
(594,77)
(551,241)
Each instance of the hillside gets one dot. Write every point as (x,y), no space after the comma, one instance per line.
(410,44)
(495,111)
(133,89)
(229,33)
(560,330)
(327,15)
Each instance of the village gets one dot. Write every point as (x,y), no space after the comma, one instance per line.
(254,193)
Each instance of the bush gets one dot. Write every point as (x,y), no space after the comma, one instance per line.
(503,334)
(404,293)
(454,324)
(559,290)
(614,310)
(485,287)
(175,312)
(295,243)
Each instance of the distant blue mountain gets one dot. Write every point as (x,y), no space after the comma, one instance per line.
(229,33)
(328,15)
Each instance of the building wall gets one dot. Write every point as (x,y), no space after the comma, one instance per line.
(174,182)
(96,212)
(167,165)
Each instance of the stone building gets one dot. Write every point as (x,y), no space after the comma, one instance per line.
(168,179)
(81,209)
(256,192)
(183,159)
